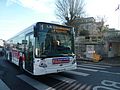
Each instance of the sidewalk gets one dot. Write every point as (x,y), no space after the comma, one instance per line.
(106,61)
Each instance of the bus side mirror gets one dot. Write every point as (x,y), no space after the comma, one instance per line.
(35,32)
(24,41)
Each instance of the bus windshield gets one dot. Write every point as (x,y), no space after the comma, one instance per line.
(52,43)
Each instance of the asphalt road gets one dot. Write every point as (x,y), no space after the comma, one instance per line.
(91,76)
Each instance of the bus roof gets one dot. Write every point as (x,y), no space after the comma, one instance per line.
(37,23)
(53,24)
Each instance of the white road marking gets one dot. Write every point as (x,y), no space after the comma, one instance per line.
(57,86)
(83,87)
(103,88)
(62,78)
(109,72)
(87,69)
(71,86)
(76,87)
(3,86)
(109,83)
(89,87)
(91,67)
(77,73)
(34,83)
(97,65)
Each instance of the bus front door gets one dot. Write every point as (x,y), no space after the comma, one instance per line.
(29,53)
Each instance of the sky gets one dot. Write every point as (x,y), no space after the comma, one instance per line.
(16,15)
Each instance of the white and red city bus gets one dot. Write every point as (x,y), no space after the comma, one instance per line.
(34,49)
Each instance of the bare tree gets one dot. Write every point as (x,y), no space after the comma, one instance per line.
(84,33)
(102,20)
(69,10)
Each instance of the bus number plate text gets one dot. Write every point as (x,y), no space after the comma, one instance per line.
(60,60)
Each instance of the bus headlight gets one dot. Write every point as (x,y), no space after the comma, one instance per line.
(43,64)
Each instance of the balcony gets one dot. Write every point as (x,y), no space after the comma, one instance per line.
(89,40)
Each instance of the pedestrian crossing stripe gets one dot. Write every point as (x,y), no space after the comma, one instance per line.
(91,66)
(3,86)
(77,86)
(64,81)
(114,73)
(72,84)
(98,65)
(87,69)
(77,73)
(62,78)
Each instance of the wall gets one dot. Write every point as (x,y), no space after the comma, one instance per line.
(115,51)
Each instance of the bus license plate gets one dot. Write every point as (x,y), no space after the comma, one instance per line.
(61,70)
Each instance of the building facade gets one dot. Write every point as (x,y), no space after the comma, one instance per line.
(112,40)
(86,45)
